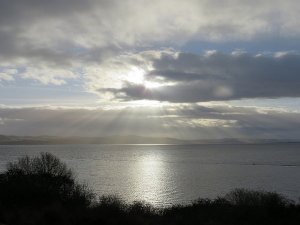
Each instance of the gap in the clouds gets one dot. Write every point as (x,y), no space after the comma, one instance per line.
(253,47)
(291,104)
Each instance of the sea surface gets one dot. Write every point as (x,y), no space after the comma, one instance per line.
(172,174)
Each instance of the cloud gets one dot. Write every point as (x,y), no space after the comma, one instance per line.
(7,74)
(176,120)
(71,34)
(99,46)
(187,77)
(48,75)
(54,29)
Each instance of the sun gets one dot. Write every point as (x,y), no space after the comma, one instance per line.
(138,76)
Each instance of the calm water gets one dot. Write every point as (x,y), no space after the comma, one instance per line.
(168,174)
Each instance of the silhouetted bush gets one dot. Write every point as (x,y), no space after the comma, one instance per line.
(41,184)
(42,190)
(243,197)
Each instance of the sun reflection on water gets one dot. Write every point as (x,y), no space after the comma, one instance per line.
(150,183)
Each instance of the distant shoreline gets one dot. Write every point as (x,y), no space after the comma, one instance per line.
(132,140)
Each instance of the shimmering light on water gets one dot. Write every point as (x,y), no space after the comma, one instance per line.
(149,181)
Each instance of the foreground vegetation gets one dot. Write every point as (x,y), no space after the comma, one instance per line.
(42,190)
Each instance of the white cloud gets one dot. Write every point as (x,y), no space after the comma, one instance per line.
(7,74)
(196,123)
(48,75)
(6,77)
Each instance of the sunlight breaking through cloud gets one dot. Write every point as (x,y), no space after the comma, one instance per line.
(160,61)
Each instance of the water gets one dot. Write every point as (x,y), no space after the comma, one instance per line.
(171,174)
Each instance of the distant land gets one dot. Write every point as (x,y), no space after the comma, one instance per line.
(127,139)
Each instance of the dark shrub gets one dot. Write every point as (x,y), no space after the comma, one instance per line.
(112,202)
(41,180)
(46,163)
(141,208)
(243,197)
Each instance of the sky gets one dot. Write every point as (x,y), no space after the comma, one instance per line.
(193,69)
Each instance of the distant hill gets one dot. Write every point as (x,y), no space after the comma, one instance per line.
(126,139)
(44,140)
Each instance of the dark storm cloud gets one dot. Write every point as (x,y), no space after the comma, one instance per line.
(217,77)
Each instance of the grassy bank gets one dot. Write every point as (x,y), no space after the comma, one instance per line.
(42,190)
